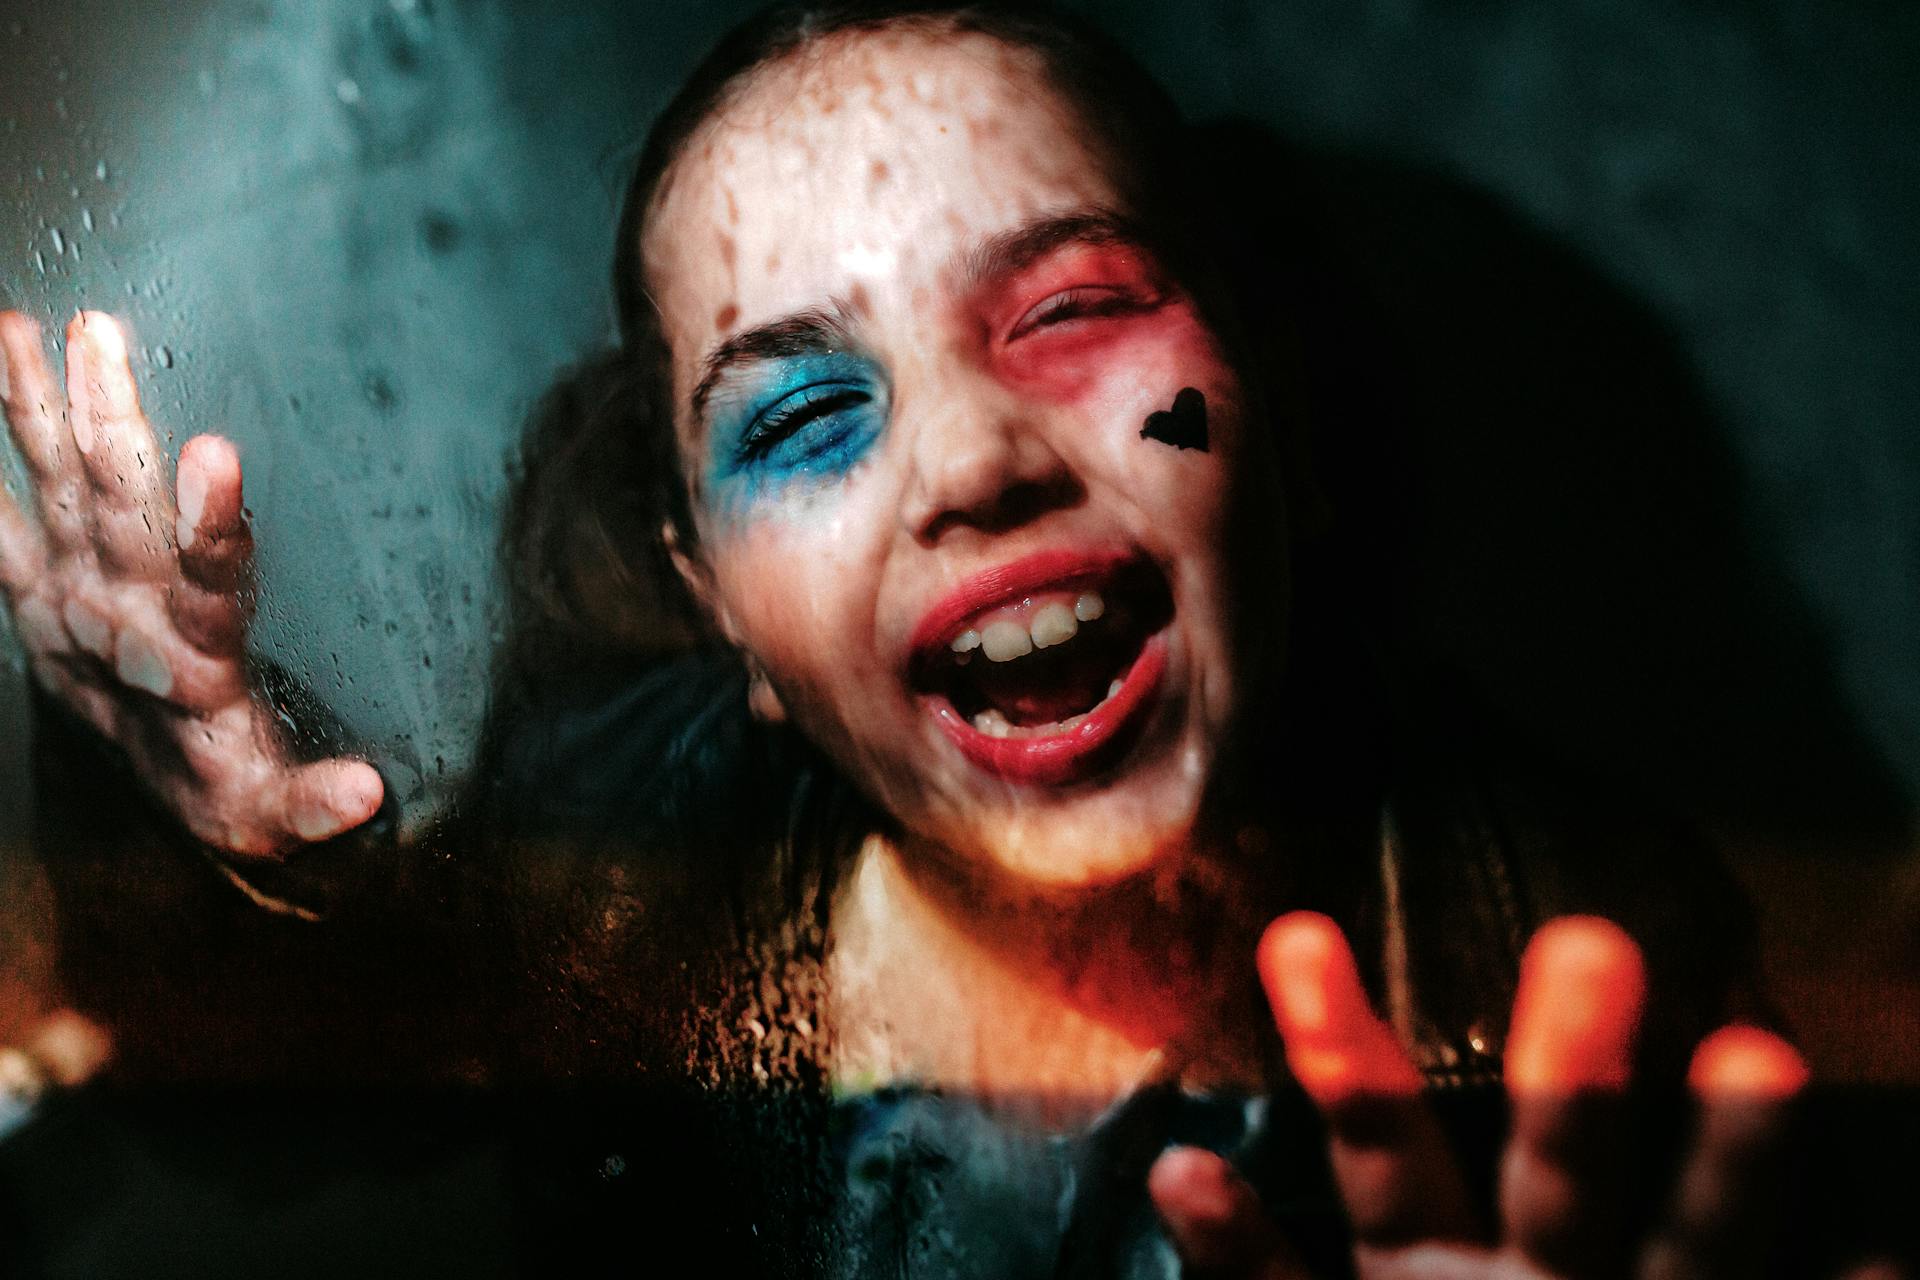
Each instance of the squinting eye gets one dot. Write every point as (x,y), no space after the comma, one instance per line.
(794,414)
(1086,301)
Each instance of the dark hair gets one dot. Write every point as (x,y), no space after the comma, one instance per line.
(588,576)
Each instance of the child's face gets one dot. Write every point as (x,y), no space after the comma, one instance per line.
(913,351)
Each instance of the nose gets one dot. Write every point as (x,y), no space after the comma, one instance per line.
(982,460)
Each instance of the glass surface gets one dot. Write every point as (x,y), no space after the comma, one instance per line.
(1593,460)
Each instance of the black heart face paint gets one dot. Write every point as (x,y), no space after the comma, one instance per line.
(1184,426)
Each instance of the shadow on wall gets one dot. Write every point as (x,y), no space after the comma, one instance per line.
(1532,493)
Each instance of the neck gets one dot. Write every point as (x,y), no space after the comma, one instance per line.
(945,977)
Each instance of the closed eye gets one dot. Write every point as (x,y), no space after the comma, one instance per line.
(793,414)
(1078,303)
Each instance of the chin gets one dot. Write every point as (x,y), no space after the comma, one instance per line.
(1139,823)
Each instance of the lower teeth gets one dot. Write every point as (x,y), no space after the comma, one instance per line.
(995,725)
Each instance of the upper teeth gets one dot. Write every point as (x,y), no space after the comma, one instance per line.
(1020,633)
(1003,641)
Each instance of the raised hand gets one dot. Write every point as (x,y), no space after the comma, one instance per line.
(1567,1187)
(132,600)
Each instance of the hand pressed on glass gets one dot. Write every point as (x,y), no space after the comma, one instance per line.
(133,602)
(1565,1180)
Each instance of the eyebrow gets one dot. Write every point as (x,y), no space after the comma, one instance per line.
(817,331)
(1012,252)
(803,333)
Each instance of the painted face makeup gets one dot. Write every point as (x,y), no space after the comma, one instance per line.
(1184,426)
(787,424)
(923,508)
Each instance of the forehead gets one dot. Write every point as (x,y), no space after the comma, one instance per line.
(863,164)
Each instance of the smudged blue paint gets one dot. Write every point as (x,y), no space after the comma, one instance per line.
(798,421)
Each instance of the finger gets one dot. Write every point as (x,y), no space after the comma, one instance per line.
(1216,1221)
(73,1048)
(216,546)
(1745,1080)
(33,404)
(121,458)
(33,407)
(320,801)
(23,552)
(1563,1191)
(136,649)
(1396,1173)
(152,657)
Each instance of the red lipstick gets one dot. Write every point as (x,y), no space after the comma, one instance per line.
(1009,584)
(1072,756)
(1079,745)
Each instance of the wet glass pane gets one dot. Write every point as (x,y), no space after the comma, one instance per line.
(796,743)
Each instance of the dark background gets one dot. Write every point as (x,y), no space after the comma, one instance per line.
(1642,275)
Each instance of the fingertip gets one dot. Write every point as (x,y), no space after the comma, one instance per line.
(1584,955)
(90,628)
(1299,955)
(332,798)
(105,336)
(1192,1186)
(206,489)
(1337,1048)
(140,664)
(212,451)
(1746,1063)
(1593,942)
(361,792)
(1213,1218)
(73,1047)
(1577,1011)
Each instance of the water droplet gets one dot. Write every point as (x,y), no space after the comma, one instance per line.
(40,261)
(163,356)
(59,242)
(86,218)
(100,171)
(347,91)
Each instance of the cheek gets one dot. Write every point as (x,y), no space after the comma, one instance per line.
(1109,379)
(799,590)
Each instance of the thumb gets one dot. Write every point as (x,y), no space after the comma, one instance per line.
(1215,1220)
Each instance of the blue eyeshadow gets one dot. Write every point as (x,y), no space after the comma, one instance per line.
(800,419)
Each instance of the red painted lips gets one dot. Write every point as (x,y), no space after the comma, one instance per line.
(1083,744)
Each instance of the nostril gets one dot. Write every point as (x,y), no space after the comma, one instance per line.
(1015,505)
(1023,502)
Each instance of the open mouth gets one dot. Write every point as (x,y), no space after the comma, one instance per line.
(1041,672)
